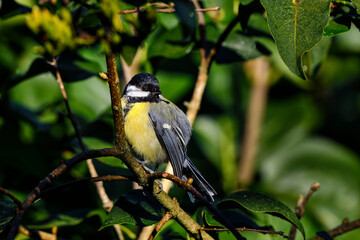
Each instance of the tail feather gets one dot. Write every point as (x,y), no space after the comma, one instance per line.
(200,182)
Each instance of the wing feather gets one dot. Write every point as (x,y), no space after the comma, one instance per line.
(165,121)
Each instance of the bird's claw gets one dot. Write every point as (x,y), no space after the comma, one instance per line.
(160,186)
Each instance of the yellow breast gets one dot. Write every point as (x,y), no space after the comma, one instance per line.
(141,135)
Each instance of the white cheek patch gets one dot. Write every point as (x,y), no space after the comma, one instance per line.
(165,125)
(133,91)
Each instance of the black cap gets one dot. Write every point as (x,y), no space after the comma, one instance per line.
(142,79)
(145,82)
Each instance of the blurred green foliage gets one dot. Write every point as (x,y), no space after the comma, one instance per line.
(310,131)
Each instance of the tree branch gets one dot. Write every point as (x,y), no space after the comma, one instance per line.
(198,195)
(160,224)
(107,178)
(54,174)
(343,228)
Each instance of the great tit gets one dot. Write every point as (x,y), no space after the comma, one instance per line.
(158,131)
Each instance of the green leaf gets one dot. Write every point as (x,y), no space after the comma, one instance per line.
(38,66)
(216,139)
(299,164)
(259,203)
(240,47)
(168,21)
(237,217)
(316,56)
(136,208)
(296,25)
(70,218)
(7,212)
(70,71)
(96,143)
(168,44)
(185,11)
(333,28)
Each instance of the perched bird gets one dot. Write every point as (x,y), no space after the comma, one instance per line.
(158,131)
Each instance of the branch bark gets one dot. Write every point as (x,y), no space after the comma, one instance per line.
(160,224)
(54,174)
(198,195)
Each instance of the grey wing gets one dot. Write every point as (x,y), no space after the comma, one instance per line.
(173,132)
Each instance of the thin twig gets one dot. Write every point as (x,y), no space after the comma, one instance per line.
(300,207)
(160,224)
(10,195)
(37,234)
(107,203)
(198,195)
(194,105)
(54,174)
(89,179)
(165,10)
(244,229)
(343,228)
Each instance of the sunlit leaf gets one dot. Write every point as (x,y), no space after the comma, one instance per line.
(357,4)
(26,3)
(260,203)
(7,212)
(168,21)
(96,143)
(296,25)
(136,208)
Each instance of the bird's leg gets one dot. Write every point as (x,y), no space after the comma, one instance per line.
(148,170)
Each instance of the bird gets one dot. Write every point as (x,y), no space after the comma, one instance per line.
(158,132)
